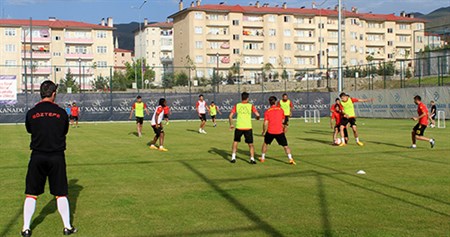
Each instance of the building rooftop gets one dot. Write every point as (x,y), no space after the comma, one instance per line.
(53,23)
(117,50)
(161,25)
(295,11)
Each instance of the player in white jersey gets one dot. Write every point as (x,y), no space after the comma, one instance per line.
(201,108)
(158,117)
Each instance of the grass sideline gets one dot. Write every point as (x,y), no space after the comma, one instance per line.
(118,187)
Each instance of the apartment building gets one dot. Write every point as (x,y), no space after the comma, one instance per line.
(154,43)
(292,38)
(49,49)
(121,58)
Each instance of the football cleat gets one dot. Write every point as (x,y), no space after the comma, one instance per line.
(262,160)
(342,144)
(26,233)
(163,149)
(253,162)
(292,162)
(432,142)
(68,231)
(233,160)
(153,147)
(360,143)
(412,147)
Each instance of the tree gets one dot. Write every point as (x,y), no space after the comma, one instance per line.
(181,79)
(134,71)
(284,75)
(68,82)
(408,73)
(120,82)
(168,80)
(266,70)
(100,83)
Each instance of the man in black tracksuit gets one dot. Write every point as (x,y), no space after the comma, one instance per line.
(48,125)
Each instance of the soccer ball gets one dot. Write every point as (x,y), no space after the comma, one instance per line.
(337,141)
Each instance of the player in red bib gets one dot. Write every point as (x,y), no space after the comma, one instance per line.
(336,115)
(167,112)
(419,129)
(74,114)
(273,128)
(158,117)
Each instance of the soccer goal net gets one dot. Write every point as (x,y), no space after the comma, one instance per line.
(312,116)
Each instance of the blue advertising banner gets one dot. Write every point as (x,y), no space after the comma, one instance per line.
(117,106)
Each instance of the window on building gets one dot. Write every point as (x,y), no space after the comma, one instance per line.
(321,25)
(287,33)
(333,34)
(214,45)
(333,48)
(286,18)
(390,55)
(56,54)
(101,34)
(251,46)
(390,43)
(354,61)
(213,17)
(80,49)
(299,20)
(198,15)
(273,60)
(10,48)
(101,49)
(354,35)
(272,46)
(361,37)
(390,30)
(403,38)
(10,63)
(287,60)
(57,69)
(10,32)
(403,26)
(305,47)
(321,39)
(235,22)
(199,59)
(287,46)
(419,26)
(420,39)
(311,20)
(102,64)
(353,21)
(57,38)
(235,37)
(236,51)
(253,59)
(272,32)
(353,49)
(198,30)
(199,44)
(271,18)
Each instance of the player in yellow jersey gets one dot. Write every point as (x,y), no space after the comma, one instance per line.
(243,126)
(213,110)
(349,116)
(139,107)
(287,106)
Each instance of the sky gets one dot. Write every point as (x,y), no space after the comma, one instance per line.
(125,11)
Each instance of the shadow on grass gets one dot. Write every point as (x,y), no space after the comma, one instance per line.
(133,133)
(10,224)
(386,186)
(253,217)
(315,131)
(219,232)
(192,130)
(51,207)
(327,142)
(386,144)
(224,154)
(326,225)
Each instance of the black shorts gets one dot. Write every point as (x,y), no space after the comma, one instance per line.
(74,118)
(286,120)
(433,117)
(202,117)
(419,129)
(166,116)
(43,165)
(139,120)
(346,121)
(213,116)
(157,130)
(281,139)
(338,127)
(248,135)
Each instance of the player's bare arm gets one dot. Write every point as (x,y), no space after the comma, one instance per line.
(230,120)
(265,126)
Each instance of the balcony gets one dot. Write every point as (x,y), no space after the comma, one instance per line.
(37,55)
(166,59)
(253,24)
(37,39)
(253,52)
(253,38)
(211,36)
(304,26)
(376,30)
(166,48)
(77,70)
(305,53)
(304,39)
(214,51)
(217,23)
(38,70)
(376,43)
(79,56)
(79,40)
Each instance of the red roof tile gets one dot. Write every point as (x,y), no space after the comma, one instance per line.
(59,24)
(296,11)
(161,24)
(117,50)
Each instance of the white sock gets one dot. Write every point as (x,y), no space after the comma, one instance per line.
(28,210)
(252,158)
(357,139)
(263,156)
(64,211)
(413,145)
(233,156)
(290,156)
(342,140)
(161,147)
(431,140)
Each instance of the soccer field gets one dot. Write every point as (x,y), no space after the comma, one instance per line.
(119,187)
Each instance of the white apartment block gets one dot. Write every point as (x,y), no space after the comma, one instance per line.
(53,48)
(154,43)
(292,38)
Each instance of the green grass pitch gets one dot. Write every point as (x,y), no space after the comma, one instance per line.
(119,187)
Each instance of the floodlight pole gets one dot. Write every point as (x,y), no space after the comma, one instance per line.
(339,46)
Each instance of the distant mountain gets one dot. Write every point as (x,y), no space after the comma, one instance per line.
(438,17)
(125,34)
